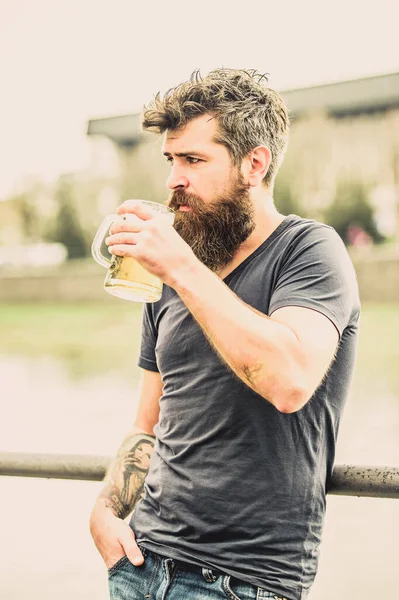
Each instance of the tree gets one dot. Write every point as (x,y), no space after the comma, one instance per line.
(351,210)
(285,200)
(67,229)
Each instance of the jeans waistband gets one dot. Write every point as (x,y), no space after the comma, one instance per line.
(191,568)
(180,564)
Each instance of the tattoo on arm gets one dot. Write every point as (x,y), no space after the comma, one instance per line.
(125,478)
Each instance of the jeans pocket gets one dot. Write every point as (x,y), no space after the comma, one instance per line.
(235,589)
(119,563)
(128,582)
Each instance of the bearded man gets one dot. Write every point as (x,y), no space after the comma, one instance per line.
(246,361)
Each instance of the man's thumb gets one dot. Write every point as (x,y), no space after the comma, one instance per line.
(132,551)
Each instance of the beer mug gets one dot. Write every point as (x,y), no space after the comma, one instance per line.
(125,277)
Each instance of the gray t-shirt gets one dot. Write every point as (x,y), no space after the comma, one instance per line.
(234,484)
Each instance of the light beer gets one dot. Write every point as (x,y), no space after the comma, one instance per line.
(127,279)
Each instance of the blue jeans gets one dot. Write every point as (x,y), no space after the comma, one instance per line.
(162,578)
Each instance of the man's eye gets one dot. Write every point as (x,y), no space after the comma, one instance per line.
(192,160)
(169,159)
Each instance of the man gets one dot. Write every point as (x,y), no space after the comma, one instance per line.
(246,361)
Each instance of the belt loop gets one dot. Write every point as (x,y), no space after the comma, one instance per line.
(169,565)
(208,575)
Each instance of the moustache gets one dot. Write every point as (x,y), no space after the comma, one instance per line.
(181,198)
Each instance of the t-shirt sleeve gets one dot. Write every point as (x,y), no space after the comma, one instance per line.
(317,273)
(147,358)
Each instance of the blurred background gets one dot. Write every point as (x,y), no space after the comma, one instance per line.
(74,78)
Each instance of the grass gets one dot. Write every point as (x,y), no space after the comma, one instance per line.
(378,355)
(93,338)
(88,338)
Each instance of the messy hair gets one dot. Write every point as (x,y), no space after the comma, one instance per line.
(248,113)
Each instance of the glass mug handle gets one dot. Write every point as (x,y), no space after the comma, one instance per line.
(102,260)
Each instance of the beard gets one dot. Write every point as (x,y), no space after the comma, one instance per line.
(215,230)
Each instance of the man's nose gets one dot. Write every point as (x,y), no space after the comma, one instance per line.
(176,180)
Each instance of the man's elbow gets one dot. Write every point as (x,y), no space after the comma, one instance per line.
(292,400)
(287,394)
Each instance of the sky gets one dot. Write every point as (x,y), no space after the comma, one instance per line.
(63,62)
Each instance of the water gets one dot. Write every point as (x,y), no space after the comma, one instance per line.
(48,411)
(46,549)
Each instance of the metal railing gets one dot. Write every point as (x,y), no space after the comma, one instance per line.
(347,480)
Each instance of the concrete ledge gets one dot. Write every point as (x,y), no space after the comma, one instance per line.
(377,271)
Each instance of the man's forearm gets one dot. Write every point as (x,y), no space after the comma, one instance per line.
(126,476)
(263,353)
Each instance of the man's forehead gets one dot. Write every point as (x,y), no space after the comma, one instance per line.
(199,130)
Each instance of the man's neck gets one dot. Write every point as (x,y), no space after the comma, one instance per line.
(267,219)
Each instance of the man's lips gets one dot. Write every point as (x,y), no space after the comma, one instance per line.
(184,208)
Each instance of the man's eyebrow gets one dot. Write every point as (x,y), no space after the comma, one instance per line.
(187,153)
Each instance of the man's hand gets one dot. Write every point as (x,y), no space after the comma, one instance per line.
(150,238)
(113,537)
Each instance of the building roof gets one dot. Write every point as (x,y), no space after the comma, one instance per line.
(124,130)
(358,96)
(344,98)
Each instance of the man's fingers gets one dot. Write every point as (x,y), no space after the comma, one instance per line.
(128,543)
(122,249)
(129,223)
(121,238)
(137,208)
(112,557)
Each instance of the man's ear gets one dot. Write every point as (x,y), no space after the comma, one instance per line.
(259,160)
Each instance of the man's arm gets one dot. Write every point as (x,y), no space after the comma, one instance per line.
(125,480)
(283,358)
